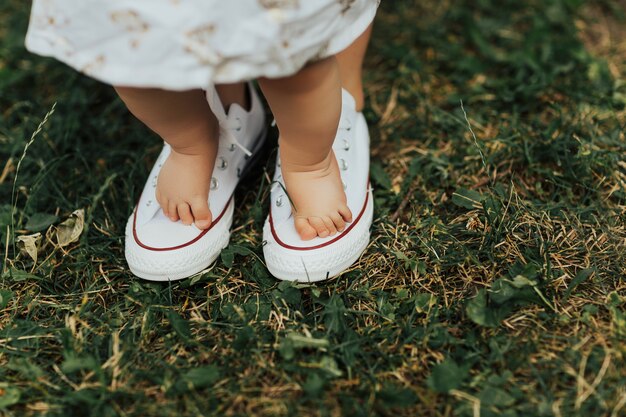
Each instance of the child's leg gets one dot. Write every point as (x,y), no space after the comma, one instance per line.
(350,62)
(185,121)
(307,107)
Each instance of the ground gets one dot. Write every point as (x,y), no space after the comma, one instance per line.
(494,284)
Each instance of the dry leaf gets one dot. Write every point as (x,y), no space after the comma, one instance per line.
(69,231)
(30,245)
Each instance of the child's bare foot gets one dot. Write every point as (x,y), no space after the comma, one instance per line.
(183,184)
(319,201)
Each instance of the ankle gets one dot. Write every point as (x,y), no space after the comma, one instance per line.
(197,150)
(195,142)
(310,164)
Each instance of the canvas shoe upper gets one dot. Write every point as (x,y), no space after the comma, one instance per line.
(290,258)
(159,249)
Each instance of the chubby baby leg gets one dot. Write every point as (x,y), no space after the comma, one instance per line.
(185,122)
(307,108)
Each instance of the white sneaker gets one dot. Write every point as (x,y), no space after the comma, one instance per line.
(158,249)
(290,258)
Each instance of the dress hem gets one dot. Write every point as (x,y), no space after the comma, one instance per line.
(202,77)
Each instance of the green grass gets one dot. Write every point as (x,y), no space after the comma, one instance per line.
(494,284)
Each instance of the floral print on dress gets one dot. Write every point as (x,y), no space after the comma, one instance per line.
(345,5)
(198,43)
(280,4)
(129,20)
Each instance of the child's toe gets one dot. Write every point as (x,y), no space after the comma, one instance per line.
(304,228)
(172,211)
(185,213)
(340,224)
(345,213)
(201,212)
(330,225)
(319,226)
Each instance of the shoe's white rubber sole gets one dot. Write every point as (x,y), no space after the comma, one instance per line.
(324,261)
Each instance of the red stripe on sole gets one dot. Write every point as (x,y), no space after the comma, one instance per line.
(321,245)
(194,240)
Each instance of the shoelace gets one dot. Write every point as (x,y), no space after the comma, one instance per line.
(227,129)
(227,126)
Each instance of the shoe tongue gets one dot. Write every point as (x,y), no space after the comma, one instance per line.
(236,110)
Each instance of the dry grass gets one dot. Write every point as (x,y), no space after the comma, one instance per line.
(493,284)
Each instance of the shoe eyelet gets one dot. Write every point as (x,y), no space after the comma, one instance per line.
(232,147)
(346,145)
(148,203)
(154,181)
(279,201)
(214,183)
(343,164)
(222,163)
(238,129)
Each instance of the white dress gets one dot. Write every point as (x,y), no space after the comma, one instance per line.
(185,44)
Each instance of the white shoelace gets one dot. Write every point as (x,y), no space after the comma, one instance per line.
(227,126)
